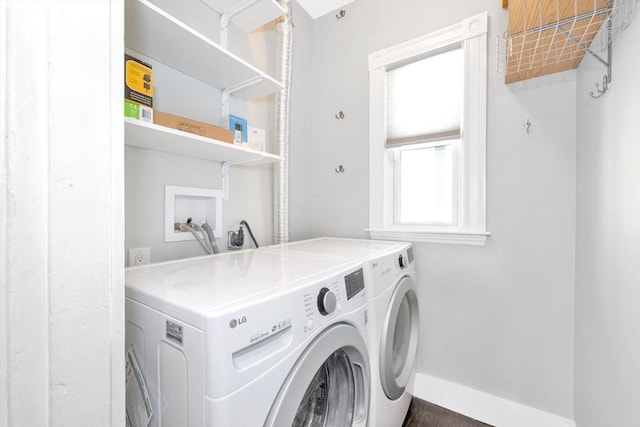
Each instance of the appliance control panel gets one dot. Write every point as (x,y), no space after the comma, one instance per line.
(326,301)
(354,282)
(388,268)
(332,297)
(405,258)
(245,340)
(323,300)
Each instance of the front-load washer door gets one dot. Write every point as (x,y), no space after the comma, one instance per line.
(399,339)
(328,386)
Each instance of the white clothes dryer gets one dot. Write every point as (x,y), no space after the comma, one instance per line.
(251,339)
(393,317)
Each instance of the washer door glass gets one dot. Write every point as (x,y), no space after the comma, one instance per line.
(399,341)
(401,338)
(329,400)
(329,384)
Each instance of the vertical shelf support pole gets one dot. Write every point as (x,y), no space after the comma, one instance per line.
(225,180)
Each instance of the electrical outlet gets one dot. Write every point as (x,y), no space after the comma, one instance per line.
(235,240)
(139,256)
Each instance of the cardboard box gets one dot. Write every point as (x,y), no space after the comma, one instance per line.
(192,126)
(138,89)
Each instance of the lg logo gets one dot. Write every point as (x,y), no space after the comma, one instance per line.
(235,322)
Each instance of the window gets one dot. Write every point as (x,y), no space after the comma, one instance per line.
(428,137)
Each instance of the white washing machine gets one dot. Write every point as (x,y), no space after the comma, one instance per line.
(251,339)
(393,317)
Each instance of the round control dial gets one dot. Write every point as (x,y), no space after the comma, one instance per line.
(326,301)
(401,261)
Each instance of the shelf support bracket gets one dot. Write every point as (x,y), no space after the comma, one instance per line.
(224,171)
(226,94)
(226,17)
(584,47)
(606,79)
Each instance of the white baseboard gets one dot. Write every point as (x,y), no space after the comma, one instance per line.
(482,406)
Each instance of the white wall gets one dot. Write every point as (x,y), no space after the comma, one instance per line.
(500,318)
(147,172)
(607,359)
(61,214)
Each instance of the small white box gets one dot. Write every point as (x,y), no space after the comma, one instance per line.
(256,138)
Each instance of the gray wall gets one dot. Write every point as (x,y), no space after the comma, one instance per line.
(499,318)
(607,362)
(300,155)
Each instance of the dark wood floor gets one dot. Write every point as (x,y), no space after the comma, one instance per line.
(425,414)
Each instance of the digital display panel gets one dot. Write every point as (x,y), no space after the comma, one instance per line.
(354,283)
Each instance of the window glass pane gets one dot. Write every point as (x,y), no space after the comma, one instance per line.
(424,97)
(426,188)
(402,337)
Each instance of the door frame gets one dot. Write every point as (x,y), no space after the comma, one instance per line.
(61,213)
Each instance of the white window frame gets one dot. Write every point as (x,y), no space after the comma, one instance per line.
(471,33)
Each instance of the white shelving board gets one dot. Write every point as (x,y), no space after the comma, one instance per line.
(159,138)
(178,46)
(259,13)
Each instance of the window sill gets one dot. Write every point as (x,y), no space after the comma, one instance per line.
(447,237)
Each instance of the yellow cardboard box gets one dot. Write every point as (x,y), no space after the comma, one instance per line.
(138,89)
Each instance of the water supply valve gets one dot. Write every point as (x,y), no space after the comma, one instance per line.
(235,239)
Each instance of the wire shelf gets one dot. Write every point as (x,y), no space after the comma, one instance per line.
(548,36)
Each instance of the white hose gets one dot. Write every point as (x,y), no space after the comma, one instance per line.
(204,240)
(281,176)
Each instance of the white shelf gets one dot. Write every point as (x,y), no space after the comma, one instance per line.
(159,138)
(259,13)
(155,33)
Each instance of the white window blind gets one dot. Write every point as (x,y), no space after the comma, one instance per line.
(424,99)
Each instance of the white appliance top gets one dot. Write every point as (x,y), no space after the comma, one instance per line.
(194,288)
(355,249)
